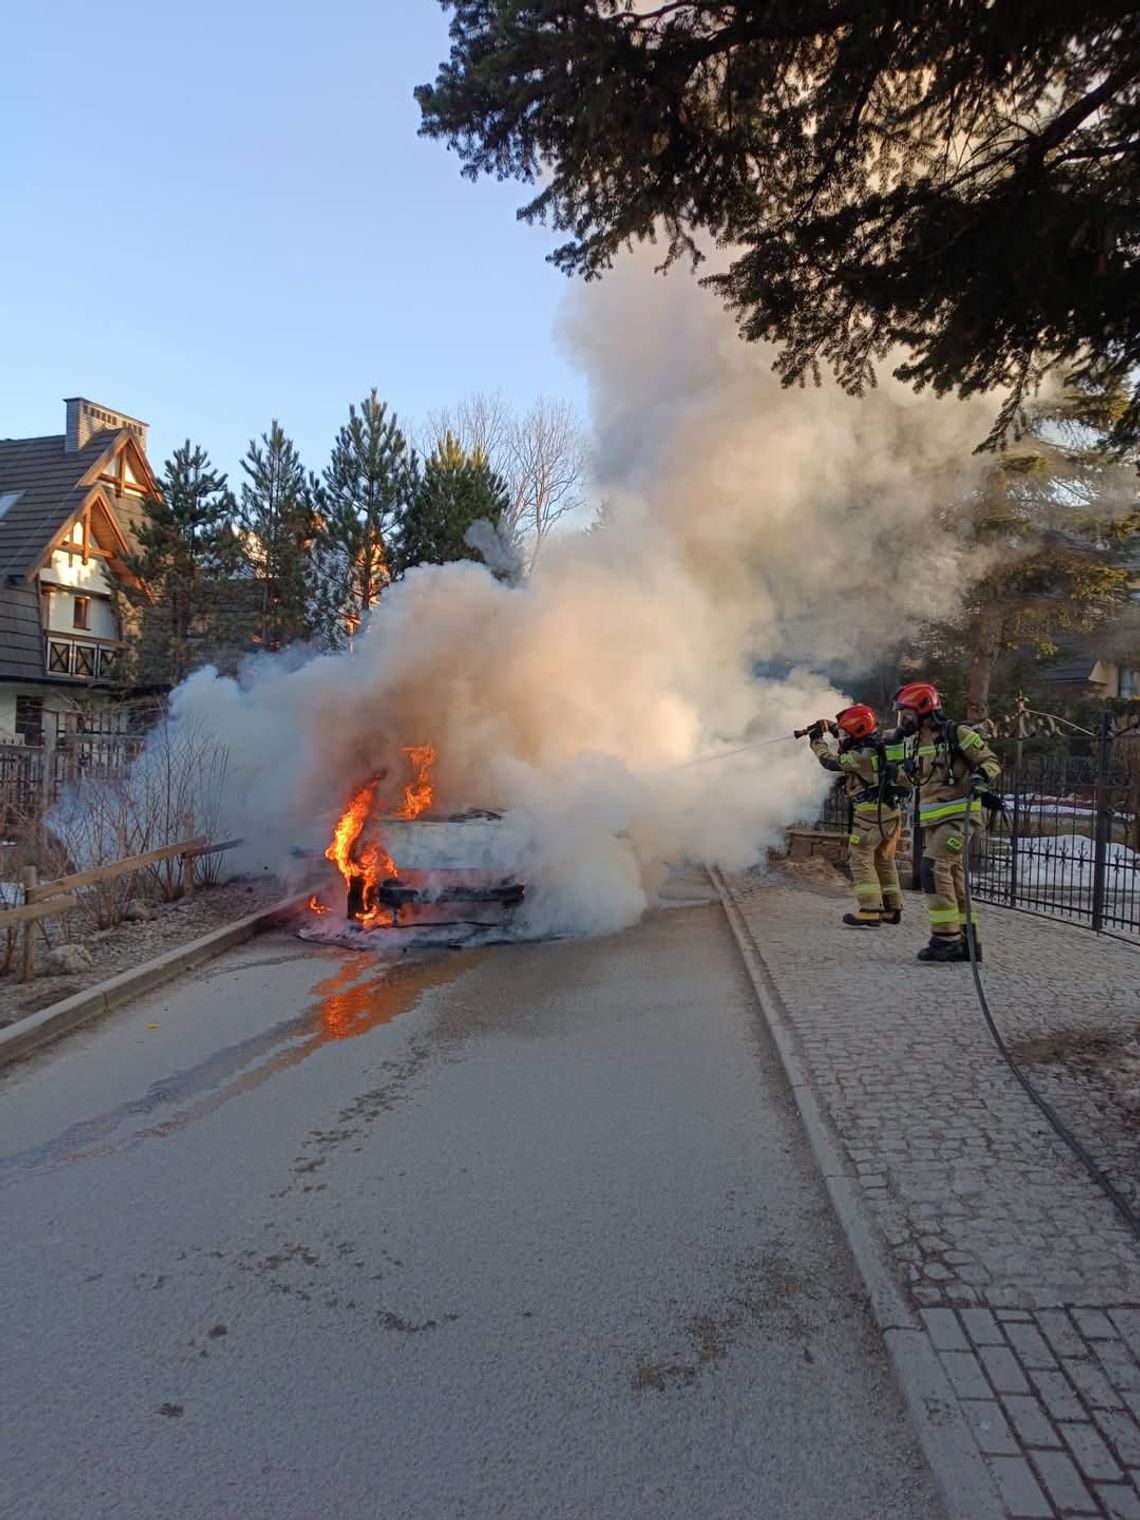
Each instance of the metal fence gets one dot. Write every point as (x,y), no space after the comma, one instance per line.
(1068,844)
(33,776)
(835,812)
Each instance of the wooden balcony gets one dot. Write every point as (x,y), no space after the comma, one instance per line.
(83,657)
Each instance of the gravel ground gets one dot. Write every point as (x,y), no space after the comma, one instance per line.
(130,944)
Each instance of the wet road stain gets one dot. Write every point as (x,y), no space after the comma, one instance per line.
(773,1295)
(359,1287)
(347,1005)
(357,1117)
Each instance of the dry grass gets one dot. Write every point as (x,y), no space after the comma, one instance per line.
(172,792)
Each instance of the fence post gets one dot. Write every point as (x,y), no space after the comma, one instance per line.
(187,822)
(47,774)
(1103,819)
(30,878)
(1015,830)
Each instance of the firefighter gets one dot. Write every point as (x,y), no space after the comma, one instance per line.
(953,768)
(873,779)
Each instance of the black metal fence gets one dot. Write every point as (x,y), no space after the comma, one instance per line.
(1068,844)
(835,812)
(33,776)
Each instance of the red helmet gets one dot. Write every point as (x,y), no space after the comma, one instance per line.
(858,721)
(920,696)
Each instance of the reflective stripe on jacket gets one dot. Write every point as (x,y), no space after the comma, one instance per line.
(859,766)
(944,771)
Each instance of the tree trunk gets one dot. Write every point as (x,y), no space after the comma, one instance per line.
(983,657)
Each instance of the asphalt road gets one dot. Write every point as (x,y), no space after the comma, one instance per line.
(528,1231)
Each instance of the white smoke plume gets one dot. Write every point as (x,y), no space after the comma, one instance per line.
(742,522)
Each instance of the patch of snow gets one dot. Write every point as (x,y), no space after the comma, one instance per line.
(1067,862)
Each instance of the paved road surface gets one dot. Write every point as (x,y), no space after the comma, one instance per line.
(526,1232)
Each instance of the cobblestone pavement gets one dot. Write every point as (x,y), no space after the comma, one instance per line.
(1026,1279)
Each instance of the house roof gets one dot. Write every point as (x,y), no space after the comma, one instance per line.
(40,483)
(21,636)
(43,488)
(1071,672)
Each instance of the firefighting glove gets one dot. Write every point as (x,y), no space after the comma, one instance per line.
(815,732)
(982,787)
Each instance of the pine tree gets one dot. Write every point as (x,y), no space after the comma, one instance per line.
(1050,514)
(278,529)
(956,180)
(455,490)
(366,483)
(186,550)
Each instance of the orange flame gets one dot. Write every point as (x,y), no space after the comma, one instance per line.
(419,794)
(316,906)
(370,863)
(348,830)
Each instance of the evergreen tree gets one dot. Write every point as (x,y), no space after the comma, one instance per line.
(277,518)
(366,483)
(186,550)
(958,180)
(1053,514)
(454,491)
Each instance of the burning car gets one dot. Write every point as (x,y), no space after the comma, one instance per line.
(454,869)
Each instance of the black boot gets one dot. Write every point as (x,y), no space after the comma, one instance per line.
(943,948)
(892,916)
(864,919)
(977,948)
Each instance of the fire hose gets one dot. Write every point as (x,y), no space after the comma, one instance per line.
(725,753)
(996,806)
(1107,1186)
(1056,1123)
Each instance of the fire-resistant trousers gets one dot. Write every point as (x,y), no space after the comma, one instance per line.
(946,842)
(874,874)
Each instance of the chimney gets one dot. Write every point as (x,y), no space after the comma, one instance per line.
(85,419)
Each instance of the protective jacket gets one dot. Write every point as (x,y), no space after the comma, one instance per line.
(945,760)
(873,773)
(873,777)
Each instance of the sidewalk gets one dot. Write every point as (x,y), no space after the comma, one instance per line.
(1019,1271)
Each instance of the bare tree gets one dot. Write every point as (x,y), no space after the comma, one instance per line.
(541,455)
(549,456)
(482,422)
(174,790)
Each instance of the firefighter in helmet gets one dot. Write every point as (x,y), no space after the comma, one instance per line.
(872,770)
(953,768)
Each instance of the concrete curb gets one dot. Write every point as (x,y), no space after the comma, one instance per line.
(963,1479)
(60,1018)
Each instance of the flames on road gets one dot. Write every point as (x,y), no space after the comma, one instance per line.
(365,865)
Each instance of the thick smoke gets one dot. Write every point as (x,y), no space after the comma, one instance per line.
(741,523)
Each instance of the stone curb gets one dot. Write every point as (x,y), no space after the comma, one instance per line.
(948,1444)
(60,1018)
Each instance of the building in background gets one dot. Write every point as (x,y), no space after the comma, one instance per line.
(69,504)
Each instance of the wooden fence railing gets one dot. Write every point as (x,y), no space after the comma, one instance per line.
(33,776)
(45,899)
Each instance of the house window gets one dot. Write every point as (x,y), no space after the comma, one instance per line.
(84,659)
(1129,682)
(81,612)
(59,658)
(30,719)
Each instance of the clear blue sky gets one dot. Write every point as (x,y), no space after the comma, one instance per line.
(212,214)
